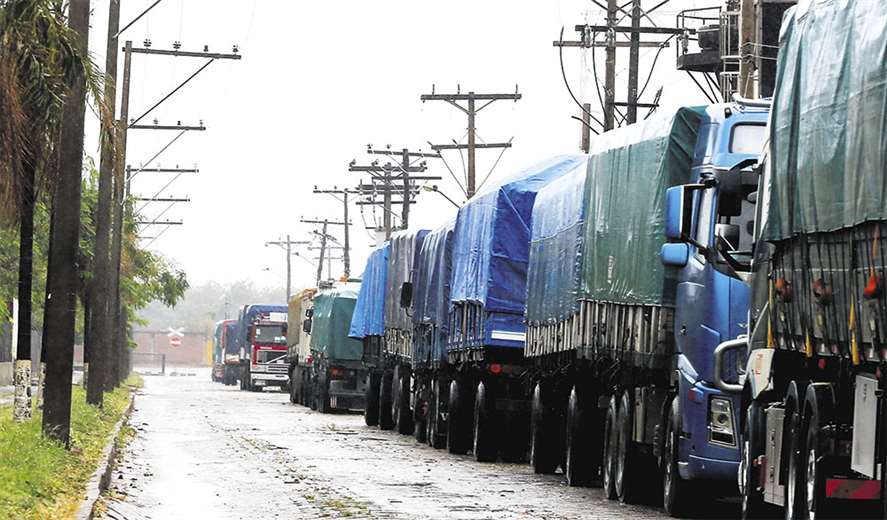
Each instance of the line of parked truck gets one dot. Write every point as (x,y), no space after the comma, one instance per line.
(672,313)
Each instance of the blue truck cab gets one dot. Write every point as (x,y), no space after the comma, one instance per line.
(714,213)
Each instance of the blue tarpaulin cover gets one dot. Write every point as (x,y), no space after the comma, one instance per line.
(431,291)
(404,248)
(492,236)
(553,273)
(369,312)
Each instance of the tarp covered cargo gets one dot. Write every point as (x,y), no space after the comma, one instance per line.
(401,259)
(629,171)
(333,309)
(298,304)
(217,341)
(229,337)
(492,235)
(248,314)
(369,312)
(828,131)
(431,291)
(553,271)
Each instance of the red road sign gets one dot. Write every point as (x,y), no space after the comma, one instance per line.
(175,341)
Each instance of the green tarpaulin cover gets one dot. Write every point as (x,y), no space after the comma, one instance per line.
(629,171)
(332,320)
(828,128)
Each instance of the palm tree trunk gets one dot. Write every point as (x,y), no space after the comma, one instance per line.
(62,276)
(22,400)
(100,308)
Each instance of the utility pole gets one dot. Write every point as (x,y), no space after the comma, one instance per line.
(117,328)
(287,246)
(346,253)
(588,40)
(471,110)
(324,237)
(391,179)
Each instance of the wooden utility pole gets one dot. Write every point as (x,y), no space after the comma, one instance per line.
(610,30)
(471,110)
(748,33)
(346,223)
(62,276)
(324,238)
(287,247)
(97,351)
(390,179)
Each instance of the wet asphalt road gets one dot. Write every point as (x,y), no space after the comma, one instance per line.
(203,450)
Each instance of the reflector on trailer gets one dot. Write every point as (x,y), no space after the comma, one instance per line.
(852,489)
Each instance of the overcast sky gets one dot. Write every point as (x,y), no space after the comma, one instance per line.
(318,82)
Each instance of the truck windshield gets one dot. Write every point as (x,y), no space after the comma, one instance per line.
(747,138)
(270,334)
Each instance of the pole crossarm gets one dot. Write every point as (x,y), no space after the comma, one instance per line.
(330,222)
(159,222)
(640,30)
(198,128)
(133,171)
(186,54)
(162,199)
(458,146)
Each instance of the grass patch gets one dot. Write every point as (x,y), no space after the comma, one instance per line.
(39,478)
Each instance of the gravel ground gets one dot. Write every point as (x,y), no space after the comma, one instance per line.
(203,450)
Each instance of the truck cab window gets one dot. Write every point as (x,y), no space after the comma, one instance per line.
(748,139)
(703,233)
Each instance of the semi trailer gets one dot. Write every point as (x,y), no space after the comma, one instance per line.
(814,411)
(432,372)
(230,354)
(368,327)
(622,326)
(487,409)
(336,375)
(218,367)
(298,343)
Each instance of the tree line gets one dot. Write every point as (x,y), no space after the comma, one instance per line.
(68,239)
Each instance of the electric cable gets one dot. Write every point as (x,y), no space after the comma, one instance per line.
(567,83)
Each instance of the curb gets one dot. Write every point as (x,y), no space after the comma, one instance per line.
(102,477)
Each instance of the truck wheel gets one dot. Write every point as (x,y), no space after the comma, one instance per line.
(458,422)
(437,438)
(485,434)
(626,465)
(244,377)
(371,409)
(292,386)
(386,421)
(543,458)
(675,490)
(420,413)
(791,436)
(817,411)
(611,440)
(582,460)
(403,417)
(323,397)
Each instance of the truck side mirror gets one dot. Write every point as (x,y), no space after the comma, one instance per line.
(730,188)
(679,211)
(406,295)
(306,326)
(675,254)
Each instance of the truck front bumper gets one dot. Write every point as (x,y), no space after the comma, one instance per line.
(709,469)
(268,379)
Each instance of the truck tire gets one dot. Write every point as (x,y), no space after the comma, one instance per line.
(676,492)
(292,386)
(459,423)
(791,436)
(583,441)
(420,412)
(244,378)
(485,431)
(626,469)
(323,397)
(386,421)
(371,410)
(611,438)
(543,454)
(437,438)
(818,410)
(400,396)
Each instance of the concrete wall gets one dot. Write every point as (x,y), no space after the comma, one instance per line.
(192,352)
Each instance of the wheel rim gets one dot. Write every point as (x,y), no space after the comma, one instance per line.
(621,447)
(811,480)
(790,489)
(669,469)
(743,480)
(608,452)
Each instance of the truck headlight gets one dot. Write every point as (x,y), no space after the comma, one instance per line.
(720,421)
(257,368)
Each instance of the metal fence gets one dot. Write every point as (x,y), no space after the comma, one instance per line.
(149,364)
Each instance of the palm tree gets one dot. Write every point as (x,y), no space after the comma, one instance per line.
(41,58)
